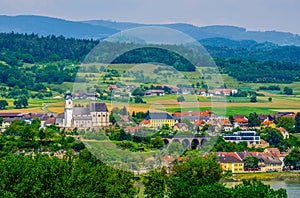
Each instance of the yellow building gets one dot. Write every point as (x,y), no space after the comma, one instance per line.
(268,124)
(158,120)
(269,162)
(231,162)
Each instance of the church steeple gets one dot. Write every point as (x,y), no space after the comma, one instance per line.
(68,109)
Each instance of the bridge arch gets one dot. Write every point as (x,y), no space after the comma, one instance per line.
(186,143)
(195,144)
(166,141)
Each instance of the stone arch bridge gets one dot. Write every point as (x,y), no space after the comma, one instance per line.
(187,142)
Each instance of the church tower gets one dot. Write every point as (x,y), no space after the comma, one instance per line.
(68,110)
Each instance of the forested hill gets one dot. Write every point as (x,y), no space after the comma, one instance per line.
(17,48)
(246,61)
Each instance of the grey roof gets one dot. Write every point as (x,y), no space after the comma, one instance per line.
(81,111)
(62,115)
(191,117)
(83,118)
(98,107)
(158,116)
(229,159)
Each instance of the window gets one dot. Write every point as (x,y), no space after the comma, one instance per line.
(99,115)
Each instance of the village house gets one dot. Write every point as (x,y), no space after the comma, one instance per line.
(284,133)
(240,121)
(268,161)
(230,161)
(227,126)
(154,93)
(85,96)
(193,116)
(180,127)
(132,130)
(112,87)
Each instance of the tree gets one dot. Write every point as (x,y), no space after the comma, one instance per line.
(253,99)
(138,92)
(250,162)
(155,183)
(231,119)
(157,142)
(288,91)
(138,99)
(287,123)
(253,120)
(297,122)
(42,134)
(21,102)
(180,99)
(124,111)
(293,158)
(273,136)
(270,99)
(3,104)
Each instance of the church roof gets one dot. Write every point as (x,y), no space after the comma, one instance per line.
(98,107)
(83,118)
(81,111)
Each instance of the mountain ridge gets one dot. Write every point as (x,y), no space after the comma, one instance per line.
(100,29)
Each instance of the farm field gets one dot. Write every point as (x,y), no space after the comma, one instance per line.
(227,106)
(169,103)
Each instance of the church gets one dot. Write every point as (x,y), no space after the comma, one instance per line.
(95,114)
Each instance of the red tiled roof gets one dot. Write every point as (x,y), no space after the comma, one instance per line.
(199,122)
(241,120)
(268,122)
(145,122)
(282,129)
(51,121)
(132,129)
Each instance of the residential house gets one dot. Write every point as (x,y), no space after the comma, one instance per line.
(85,96)
(230,161)
(277,153)
(7,122)
(132,130)
(154,92)
(284,133)
(227,126)
(112,87)
(193,116)
(129,88)
(268,123)
(240,121)
(268,161)
(180,127)
(186,91)
(11,115)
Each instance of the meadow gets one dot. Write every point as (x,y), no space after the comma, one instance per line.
(228,105)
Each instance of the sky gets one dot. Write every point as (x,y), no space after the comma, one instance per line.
(280,15)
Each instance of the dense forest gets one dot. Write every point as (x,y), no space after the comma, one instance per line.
(259,71)
(18,48)
(30,61)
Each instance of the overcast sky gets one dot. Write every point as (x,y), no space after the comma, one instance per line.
(281,15)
